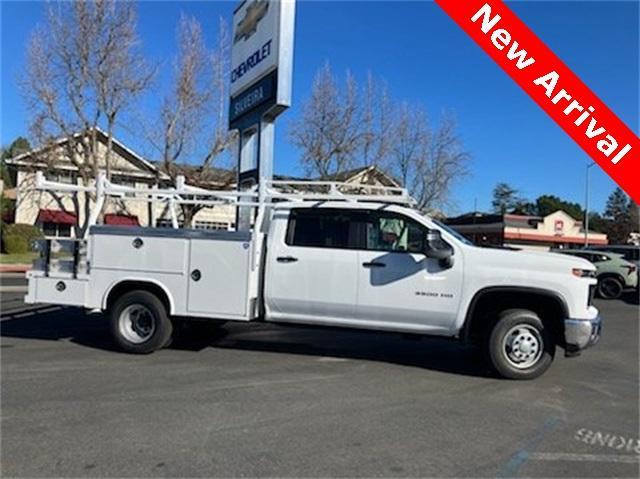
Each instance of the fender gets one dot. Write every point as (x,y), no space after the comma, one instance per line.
(138,280)
(464,333)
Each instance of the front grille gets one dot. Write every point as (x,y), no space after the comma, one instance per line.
(592,293)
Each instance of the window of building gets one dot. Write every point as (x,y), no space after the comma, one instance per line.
(167,223)
(56,230)
(61,176)
(123,181)
(211,225)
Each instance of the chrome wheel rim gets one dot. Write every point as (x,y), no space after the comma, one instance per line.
(136,323)
(522,346)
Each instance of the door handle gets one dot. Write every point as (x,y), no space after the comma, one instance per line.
(286,259)
(374,264)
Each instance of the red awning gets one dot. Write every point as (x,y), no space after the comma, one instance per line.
(121,220)
(56,216)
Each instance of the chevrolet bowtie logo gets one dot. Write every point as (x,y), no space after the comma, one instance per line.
(252,15)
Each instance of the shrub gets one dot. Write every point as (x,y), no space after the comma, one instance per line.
(12,244)
(12,233)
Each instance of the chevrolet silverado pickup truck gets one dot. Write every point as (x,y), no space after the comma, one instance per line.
(366,261)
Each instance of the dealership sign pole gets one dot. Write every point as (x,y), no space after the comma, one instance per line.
(261,76)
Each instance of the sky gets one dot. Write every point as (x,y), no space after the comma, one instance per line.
(424,57)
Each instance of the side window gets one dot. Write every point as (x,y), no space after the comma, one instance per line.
(390,232)
(599,258)
(323,228)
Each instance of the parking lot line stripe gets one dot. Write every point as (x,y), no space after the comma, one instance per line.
(512,466)
(561,456)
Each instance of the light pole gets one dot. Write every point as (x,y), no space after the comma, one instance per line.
(586,204)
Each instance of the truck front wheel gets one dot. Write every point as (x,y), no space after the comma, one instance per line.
(139,322)
(519,345)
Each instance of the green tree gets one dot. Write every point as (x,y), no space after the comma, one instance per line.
(597,222)
(635,216)
(505,198)
(547,204)
(18,146)
(524,207)
(619,215)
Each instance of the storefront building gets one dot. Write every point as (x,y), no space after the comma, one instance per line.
(557,230)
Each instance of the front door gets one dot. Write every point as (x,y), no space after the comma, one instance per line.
(398,286)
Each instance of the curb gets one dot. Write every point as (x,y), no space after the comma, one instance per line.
(13,289)
(14,268)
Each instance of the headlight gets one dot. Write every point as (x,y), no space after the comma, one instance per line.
(583,273)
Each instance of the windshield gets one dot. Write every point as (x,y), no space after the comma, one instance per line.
(453,233)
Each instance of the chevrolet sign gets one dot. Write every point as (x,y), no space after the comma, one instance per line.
(262,46)
(252,15)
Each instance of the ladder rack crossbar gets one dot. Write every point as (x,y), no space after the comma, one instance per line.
(258,196)
(280,190)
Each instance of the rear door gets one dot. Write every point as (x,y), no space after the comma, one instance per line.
(312,266)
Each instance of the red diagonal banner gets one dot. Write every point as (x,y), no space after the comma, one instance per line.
(553,86)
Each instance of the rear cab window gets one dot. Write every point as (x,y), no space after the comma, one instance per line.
(323,228)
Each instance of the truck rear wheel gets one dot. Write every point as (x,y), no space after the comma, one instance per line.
(139,322)
(519,346)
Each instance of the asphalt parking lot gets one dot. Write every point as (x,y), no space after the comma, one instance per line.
(263,400)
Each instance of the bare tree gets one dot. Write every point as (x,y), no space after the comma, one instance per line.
(193,126)
(445,161)
(83,70)
(376,120)
(328,130)
(427,162)
(341,127)
(409,146)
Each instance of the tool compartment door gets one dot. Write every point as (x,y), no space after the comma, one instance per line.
(218,277)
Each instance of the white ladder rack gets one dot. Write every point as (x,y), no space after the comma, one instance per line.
(274,191)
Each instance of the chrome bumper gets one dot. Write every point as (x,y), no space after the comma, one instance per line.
(579,334)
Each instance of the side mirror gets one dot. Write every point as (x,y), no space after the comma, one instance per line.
(437,248)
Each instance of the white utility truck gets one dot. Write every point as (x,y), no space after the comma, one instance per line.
(324,254)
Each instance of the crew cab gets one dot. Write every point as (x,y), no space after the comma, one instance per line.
(342,261)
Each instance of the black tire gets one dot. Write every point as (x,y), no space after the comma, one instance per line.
(610,287)
(139,322)
(519,345)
